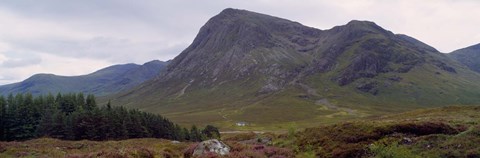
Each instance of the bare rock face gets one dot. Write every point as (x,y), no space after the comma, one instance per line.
(211,146)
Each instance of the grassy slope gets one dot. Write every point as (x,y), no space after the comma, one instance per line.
(225,106)
(422,87)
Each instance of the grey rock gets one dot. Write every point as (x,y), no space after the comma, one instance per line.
(212,145)
(369,87)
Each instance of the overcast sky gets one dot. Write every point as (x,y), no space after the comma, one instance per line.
(78,37)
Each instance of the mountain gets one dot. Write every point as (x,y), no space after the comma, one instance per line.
(272,72)
(469,56)
(102,82)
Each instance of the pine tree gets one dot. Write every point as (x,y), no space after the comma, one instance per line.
(68,117)
(46,124)
(90,103)
(31,116)
(10,118)
(22,126)
(3,118)
(195,134)
(50,101)
(186,133)
(66,103)
(58,128)
(69,126)
(179,134)
(79,100)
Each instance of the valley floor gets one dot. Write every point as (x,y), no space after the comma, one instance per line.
(439,132)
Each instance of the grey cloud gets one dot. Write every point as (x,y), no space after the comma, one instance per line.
(25,60)
(123,31)
(103,48)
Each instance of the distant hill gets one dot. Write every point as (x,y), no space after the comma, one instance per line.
(102,82)
(265,70)
(469,56)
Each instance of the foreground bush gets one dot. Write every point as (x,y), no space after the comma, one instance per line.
(354,139)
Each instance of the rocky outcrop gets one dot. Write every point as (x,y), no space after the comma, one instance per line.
(211,146)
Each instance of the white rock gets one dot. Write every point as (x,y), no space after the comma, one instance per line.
(212,145)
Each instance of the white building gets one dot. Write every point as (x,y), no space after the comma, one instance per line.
(241,123)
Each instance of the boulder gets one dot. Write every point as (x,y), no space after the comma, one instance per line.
(211,146)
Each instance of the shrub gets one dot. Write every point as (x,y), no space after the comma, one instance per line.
(247,153)
(391,151)
(3,147)
(189,151)
(353,139)
(143,153)
(423,128)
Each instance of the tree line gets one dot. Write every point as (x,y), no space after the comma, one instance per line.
(76,117)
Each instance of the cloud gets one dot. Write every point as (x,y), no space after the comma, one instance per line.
(20,62)
(67,66)
(58,36)
(115,42)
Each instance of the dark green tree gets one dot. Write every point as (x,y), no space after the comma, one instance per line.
(90,103)
(186,133)
(58,127)
(3,118)
(66,103)
(80,100)
(211,132)
(74,117)
(195,134)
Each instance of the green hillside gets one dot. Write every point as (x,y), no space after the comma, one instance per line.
(469,56)
(274,73)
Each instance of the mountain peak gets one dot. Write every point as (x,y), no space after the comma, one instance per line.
(240,16)
(233,11)
(41,75)
(361,22)
(365,26)
(155,62)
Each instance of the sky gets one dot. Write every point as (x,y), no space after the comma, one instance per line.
(78,37)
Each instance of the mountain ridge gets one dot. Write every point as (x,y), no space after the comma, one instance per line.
(469,56)
(101,82)
(243,65)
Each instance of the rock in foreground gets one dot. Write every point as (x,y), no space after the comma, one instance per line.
(211,146)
